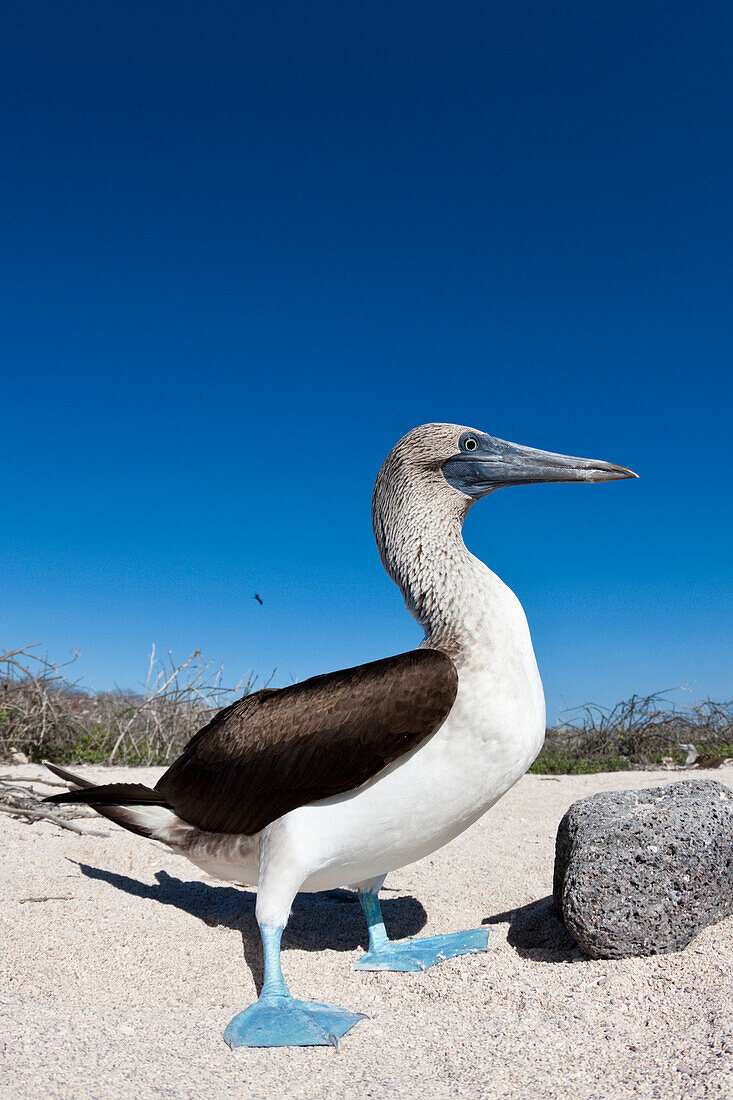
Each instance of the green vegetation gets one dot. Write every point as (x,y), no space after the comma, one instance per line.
(96,747)
(563,764)
(42,715)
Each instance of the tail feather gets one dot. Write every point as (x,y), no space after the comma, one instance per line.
(128,794)
(134,806)
(68,777)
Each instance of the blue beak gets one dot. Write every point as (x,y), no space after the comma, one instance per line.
(484,464)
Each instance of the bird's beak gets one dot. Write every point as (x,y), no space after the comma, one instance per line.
(526,466)
(495,463)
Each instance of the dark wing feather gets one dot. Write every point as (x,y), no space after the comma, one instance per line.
(276,750)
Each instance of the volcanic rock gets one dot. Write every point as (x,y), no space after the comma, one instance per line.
(642,872)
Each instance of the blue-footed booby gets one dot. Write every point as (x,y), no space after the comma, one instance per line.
(342,778)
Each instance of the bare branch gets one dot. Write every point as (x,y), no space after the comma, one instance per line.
(27,812)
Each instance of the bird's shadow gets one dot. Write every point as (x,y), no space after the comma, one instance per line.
(321,921)
(536,931)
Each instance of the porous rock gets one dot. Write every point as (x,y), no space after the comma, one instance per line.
(642,872)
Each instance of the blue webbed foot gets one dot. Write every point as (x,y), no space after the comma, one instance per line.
(281,1021)
(419,954)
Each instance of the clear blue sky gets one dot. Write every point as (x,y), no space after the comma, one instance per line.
(248,245)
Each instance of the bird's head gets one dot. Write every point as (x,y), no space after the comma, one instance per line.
(447,458)
(430,479)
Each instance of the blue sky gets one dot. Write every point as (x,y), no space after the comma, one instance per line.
(248,246)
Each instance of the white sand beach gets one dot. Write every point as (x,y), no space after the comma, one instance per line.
(120,983)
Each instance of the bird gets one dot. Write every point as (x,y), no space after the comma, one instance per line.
(259,599)
(344,777)
(694,760)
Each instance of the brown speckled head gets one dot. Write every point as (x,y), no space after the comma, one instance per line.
(430,479)
(412,500)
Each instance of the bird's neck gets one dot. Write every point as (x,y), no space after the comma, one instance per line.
(464,608)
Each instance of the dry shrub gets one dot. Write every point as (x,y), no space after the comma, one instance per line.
(638,731)
(43,714)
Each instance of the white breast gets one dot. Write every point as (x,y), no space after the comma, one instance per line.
(493,732)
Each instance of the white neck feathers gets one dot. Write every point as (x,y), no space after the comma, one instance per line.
(458,601)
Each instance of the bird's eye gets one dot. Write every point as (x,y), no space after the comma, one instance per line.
(470,444)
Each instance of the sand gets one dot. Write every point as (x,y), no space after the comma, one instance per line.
(121,984)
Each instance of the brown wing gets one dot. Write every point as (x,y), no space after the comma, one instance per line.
(275,750)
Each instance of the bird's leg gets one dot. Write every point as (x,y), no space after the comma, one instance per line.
(416,954)
(276,1019)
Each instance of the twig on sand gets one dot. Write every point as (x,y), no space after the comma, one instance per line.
(26,811)
(34,779)
(15,796)
(55,897)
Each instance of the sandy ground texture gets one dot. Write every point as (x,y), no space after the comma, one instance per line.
(119,981)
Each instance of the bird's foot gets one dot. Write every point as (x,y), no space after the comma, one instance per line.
(281,1021)
(419,954)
